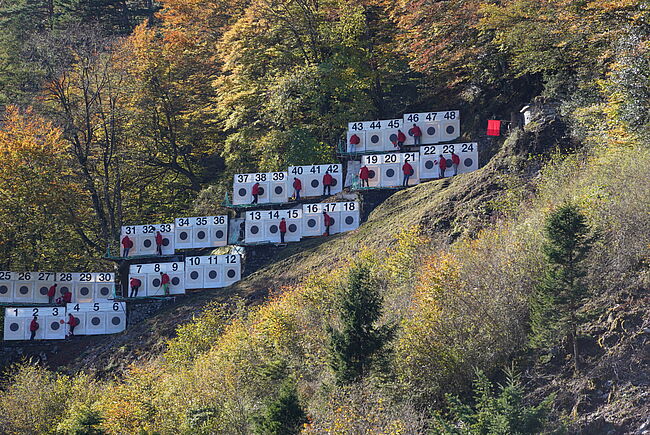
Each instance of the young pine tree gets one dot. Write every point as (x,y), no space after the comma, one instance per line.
(357,344)
(282,415)
(562,290)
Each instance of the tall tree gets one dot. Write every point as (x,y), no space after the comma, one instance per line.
(562,290)
(40,204)
(359,341)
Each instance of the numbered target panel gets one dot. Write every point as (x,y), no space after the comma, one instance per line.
(265,226)
(201,232)
(143,238)
(33,287)
(435,127)
(271,187)
(387,170)
(152,275)
(374,135)
(430,156)
(313,179)
(97,318)
(50,323)
(342,217)
(216,271)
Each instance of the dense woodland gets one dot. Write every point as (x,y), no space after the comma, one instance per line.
(132,111)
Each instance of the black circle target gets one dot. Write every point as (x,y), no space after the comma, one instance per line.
(219,234)
(292,228)
(393,137)
(104,291)
(4,290)
(95,321)
(371,174)
(334,182)
(14,327)
(194,274)
(84,291)
(165,242)
(23,290)
(183,235)
(349,220)
(332,221)
(147,243)
(212,274)
(241,192)
(273,229)
(450,129)
(279,190)
(200,235)
(390,173)
(116,320)
(231,273)
(55,326)
(431,131)
(449,163)
(255,229)
(64,290)
(43,290)
(156,282)
(374,138)
(428,164)
(314,183)
(261,190)
(176,280)
(311,223)
(468,162)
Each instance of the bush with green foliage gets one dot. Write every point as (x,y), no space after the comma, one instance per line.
(501,412)
(283,414)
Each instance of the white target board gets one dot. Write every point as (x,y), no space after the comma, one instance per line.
(208,272)
(272,188)
(386,170)
(312,178)
(51,323)
(150,275)
(6,286)
(201,232)
(144,238)
(430,157)
(98,318)
(378,135)
(344,216)
(263,226)
(436,127)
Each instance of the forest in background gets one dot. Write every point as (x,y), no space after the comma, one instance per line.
(124,111)
(150,107)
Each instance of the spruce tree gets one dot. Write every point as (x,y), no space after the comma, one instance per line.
(356,345)
(562,290)
(282,415)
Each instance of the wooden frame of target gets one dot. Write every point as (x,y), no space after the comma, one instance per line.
(436,126)
(274,188)
(264,226)
(312,179)
(51,322)
(97,318)
(144,238)
(201,232)
(375,135)
(385,170)
(209,272)
(149,276)
(430,154)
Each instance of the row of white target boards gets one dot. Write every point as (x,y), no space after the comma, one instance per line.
(381,135)
(263,226)
(277,187)
(33,287)
(92,318)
